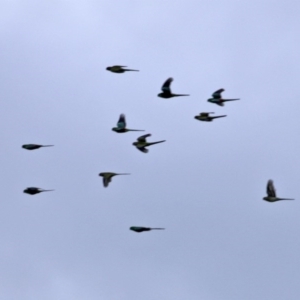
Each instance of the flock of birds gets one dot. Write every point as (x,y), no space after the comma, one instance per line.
(141,142)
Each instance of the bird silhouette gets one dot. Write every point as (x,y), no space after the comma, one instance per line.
(107,177)
(119,69)
(166,90)
(204,116)
(34,146)
(35,190)
(121,126)
(217,98)
(141,229)
(141,143)
(271,192)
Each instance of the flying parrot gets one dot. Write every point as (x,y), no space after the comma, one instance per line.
(119,69)
(121,125)
(141,229)
(107,177)
(141,143)
(166,90)
(204,116)
(34,146)
(272,193)
(217,98)
(35,190)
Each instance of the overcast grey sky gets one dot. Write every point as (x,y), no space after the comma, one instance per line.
(204,185)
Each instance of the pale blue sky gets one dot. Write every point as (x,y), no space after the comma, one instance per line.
(204,185)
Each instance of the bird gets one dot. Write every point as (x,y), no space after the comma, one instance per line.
(121,125)
(141,143)
(204,116)
(107,177)
(35,190)
(119,69)
(141,229)
(217,98)
(272,193)
(34,146)
(166,90)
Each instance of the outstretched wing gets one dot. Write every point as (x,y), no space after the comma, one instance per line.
(143,137)
(117,66)
(166,86)
(106,181)
(143,149)
(217,94)
(122,122)
(204,114)
(270,189)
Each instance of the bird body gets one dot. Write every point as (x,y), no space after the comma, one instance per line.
(35,190)
(142,143)
(121,126)
(217,98)
(107,177)
(166,90)
(204,116)
(141,229)
(271,192)
(119,69)
(34,146)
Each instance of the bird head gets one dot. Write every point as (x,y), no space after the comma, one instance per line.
(108,68)
(114,129)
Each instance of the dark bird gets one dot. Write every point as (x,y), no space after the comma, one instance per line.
(119,69)
(34,146)
(107,177)
(217,98)
(272,193)
(142,143)
(121,126)
(204,116)
(34,190)
(141,229)
(166,90)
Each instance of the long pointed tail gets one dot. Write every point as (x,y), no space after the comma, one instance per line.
(157,228)
(47,190)
(286,199)
(225,100)
(135,130)
(180,95)
(131,70)
(123,174)
(149,144)
(216,117)
(47,145)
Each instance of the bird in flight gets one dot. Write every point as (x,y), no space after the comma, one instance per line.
(34,146)
(166,90)
(217,98)
(35,190)
(121,125)
(119,69)
(107,177)
(141,143)
(204,116)
(141,229)
(272,193)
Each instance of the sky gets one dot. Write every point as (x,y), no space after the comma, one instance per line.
(205,184)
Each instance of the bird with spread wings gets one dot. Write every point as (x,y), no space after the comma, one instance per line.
(217,98)
(121,125)
(142,143)
(166,90)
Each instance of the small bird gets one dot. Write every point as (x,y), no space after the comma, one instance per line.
(121,125)
(119,69)
(204,116)
(141,229)
(107,177)
(35,190)
(166,90)
(34,146)
(272,193)
(142,143)
(217,98)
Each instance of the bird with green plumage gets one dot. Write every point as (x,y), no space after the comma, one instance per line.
(205,116)
(142,229)
(271,192)
(142,143)
(35,190)
(34,146)
(119,69)
(121,126)
(107,177)
(166,90)
(217,98)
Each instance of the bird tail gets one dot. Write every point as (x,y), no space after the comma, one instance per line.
(149,144)
(219,117)
(47,145)
(225,100)
(135,130)
(286,199)
(131,70)
(47,190)
(123,174)
(180,95)
(158,228)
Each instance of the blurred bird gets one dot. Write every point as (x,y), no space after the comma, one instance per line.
(119,69)
(141,229)
(142,143)
(272,193)
(34,190)
(217,98)
(204,116)
(121,125)
(34,146)
(107,177)
(166,90)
